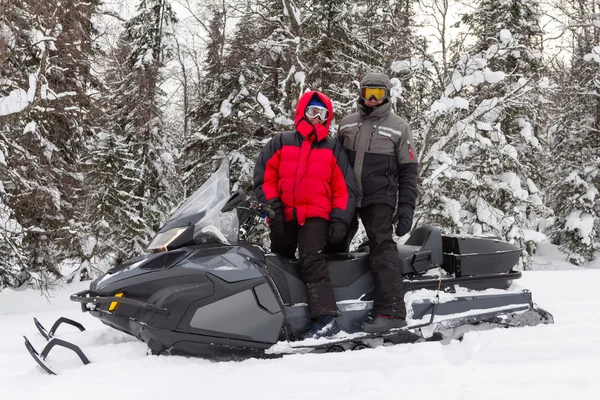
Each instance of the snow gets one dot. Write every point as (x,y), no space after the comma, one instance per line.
(15,102)
(264,102)
(590,195)
(513,184)
(226,108)
(531,186)
(594,55)
(447,104)
(493,76)
(32,86)
(581,222)
(489,215)
(533,236)
(300,77)
(527,132)
(505,35)
(555,361)
(30,127)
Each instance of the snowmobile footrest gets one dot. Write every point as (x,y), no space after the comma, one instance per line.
(62,320)
(41,358)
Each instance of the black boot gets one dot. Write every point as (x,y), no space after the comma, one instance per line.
(323,326)
(381,324)
(321,300)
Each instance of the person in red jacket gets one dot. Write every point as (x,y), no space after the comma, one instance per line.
(306,178)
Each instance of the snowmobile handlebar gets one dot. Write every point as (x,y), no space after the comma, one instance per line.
(239,200)
(261,208)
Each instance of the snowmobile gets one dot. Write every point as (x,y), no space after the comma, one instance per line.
(202,291)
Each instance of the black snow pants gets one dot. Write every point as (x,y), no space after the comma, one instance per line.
(310,240)
(384,261)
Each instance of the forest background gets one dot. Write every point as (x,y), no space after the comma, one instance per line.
(111,113)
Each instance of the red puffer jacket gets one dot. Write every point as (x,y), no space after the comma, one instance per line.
(306,170)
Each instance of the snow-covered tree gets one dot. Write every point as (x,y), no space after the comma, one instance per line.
(576,137)
(132,159)
(483,144)
(238,98)
(44,78)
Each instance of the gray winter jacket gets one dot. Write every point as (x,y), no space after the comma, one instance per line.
(380,146)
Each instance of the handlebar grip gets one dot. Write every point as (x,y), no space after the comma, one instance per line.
(266,210)
(270,212)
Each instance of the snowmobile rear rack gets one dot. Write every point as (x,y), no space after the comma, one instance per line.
(90,297)
(62,320)
(41,358)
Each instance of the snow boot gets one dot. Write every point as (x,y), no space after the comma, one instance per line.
(382,323)
(322,326)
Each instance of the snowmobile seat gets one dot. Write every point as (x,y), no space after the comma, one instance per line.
(422,251)
(349,274)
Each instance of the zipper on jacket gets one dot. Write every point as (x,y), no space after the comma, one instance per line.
(356,137)
(370,140)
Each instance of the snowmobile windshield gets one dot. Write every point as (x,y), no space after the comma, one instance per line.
(203,210)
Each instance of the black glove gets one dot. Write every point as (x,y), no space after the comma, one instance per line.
(337,230)
(404,219)
(276,223)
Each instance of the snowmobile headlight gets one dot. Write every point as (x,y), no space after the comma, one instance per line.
(162,240)
(114,304)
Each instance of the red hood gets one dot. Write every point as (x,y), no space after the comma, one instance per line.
(303,126)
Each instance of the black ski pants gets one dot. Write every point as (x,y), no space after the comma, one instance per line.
(310,239)
(384,260)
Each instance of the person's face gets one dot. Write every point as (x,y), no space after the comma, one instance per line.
(316,120)
(373,96)
(372,102)
(316,115)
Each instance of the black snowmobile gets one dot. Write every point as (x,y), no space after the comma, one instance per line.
(201,291)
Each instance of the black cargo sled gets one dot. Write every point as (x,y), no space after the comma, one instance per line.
(200,291)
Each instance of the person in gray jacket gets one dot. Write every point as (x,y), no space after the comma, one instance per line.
(380,147)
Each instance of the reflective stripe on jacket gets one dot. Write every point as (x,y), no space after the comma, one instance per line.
(381,149)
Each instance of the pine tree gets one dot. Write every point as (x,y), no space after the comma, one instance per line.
(46,50)
(133,162)
(242,101)
(576,139)
(484,157)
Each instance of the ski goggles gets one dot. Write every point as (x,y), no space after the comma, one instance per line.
(378,93)
(316,111)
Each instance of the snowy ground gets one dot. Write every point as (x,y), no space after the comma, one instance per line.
(557,361)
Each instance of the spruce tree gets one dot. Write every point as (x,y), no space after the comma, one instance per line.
(483,163)
(132,158)
(576,139)
(46,55)
(242,101)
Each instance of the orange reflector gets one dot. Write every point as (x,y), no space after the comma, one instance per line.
(114,304)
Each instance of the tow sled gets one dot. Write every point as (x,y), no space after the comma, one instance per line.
(203,291)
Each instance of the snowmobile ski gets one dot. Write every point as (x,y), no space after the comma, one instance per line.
(40,358)
(62,320)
